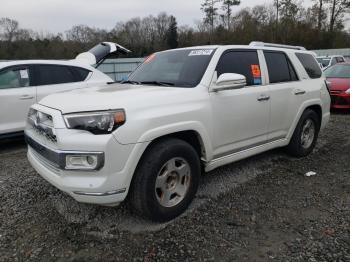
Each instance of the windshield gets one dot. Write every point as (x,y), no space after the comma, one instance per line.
(324,61)
(338,71)
(180,68)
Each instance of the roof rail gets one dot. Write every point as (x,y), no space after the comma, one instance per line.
(277,45)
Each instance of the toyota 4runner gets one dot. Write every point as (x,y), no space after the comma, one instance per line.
(182,112)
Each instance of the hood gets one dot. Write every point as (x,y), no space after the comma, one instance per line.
(339,84)
(116,96)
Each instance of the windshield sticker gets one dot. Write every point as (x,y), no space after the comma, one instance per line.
(256,71)
(201,52)
(24,74)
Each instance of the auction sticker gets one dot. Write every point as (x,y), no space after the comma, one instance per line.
(201,52)
(24,74)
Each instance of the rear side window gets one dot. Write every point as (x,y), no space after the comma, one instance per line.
(80,73)
(54,74)
(279,67)
(241,62)
(340,60)
(310,65)
(14,78)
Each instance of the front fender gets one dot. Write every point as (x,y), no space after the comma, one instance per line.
(160,131)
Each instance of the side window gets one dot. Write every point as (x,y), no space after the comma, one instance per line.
(310,65)
(54,74)
(80,73)
(279,67)
(241,62)
(14,78)
(340,60)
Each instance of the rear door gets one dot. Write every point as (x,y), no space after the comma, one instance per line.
(287,93)
(50,78)
(16,96)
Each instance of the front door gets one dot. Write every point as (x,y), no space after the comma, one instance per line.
(241,116)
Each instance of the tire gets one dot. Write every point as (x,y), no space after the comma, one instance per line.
(166,180)
(302,145)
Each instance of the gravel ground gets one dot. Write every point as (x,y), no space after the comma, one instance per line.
(262,208)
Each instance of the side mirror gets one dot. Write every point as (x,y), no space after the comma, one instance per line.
(229,81)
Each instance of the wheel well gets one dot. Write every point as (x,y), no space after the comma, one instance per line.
(190,136)
(318,110)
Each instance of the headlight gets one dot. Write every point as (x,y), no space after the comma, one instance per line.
(103,122)
(347,91)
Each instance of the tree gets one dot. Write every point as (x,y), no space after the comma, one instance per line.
(321,14)
(8,29)
(227,7)
(211,13)
(337,10)
(172,36)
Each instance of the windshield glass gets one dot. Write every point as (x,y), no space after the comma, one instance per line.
(338,71)
(324,61)
(180,68)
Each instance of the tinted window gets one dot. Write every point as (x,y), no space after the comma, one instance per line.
(310,65)
(54,74)
(279,67)
(14,78)
(241,62)
(181,68)
(80,73)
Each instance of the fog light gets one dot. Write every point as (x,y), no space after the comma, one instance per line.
(82,162)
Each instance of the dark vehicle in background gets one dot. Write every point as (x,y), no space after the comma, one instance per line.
(339,78)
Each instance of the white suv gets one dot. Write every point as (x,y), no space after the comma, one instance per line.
(181,112)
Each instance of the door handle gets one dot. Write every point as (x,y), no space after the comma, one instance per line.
(263,98)
(26,97)
(299,92)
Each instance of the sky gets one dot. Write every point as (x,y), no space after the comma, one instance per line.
(60,15)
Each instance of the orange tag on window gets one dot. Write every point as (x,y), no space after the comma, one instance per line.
(256,71)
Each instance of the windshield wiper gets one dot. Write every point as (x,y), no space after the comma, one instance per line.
(158,83)
(130,82)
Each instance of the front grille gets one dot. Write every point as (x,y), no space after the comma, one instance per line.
(342,101)
(55,159)
(42,124)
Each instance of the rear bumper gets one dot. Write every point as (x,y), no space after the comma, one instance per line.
(340,101)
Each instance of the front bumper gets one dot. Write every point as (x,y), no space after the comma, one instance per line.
(107,185)
(340,101)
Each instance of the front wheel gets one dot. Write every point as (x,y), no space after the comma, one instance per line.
(305,134)
(166,180)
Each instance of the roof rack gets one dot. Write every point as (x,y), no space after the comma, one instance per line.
(276,45)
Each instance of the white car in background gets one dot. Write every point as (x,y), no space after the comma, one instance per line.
(24,83)
(327,61)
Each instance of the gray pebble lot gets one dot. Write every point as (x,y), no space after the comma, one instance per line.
(262,208)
